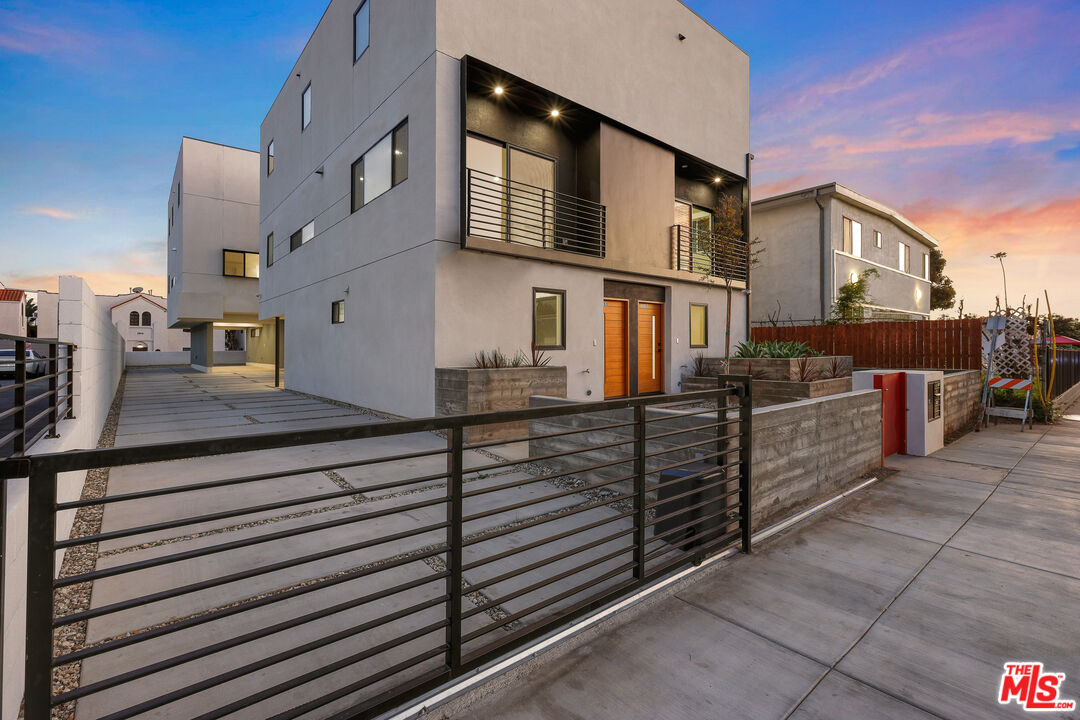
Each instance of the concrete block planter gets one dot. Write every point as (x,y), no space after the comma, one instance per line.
(776,392)
(788,368)
(473,390)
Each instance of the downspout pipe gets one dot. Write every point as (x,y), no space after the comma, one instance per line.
(824,256)
(749,240)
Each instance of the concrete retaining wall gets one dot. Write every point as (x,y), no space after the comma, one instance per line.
(99,362)
(803,452)
(962,398)
(182,357)
(472,390)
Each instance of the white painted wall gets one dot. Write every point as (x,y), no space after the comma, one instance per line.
(13,317)
(99,362)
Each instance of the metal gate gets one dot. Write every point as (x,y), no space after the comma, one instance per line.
(424,563)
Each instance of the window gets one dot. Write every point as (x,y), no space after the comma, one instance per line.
(926,266)
(254,332)
(852,237)
(270,158)
(905,257)
(302,236)
(549,319)
(382,167)
(178,195)
(305,108)
(361,22)
(238,263)
(269,249)
(699,325)
(337,312)
(146,319)
(133,319)
(877,239)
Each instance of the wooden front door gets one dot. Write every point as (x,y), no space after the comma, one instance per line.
(616,348)
(650,347)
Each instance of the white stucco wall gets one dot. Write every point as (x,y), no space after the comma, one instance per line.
(98,366)
(13,317)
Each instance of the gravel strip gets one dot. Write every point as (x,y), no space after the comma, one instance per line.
(82,559)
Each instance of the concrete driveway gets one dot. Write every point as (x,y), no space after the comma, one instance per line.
(903,602)
(169,404)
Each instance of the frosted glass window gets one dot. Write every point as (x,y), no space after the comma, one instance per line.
(377,173)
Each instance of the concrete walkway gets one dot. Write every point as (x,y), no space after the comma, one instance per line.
(904,602)
(166,404)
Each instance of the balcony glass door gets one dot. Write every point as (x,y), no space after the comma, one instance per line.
(532,198)
(699,226)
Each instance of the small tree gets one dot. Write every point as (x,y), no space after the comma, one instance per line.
(851,299)
(1000,257)
(942,292)
(723,253)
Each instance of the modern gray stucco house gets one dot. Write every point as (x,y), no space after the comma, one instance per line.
(816,240)
(441,177)
(213,244)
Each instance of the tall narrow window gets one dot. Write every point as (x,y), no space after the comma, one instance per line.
(549,319)
(905,257)
(699,325)
(270,158)
(926,266)
(146,319)
(361,29)
(305,108)
(269,249)
(133,318)
(382,167)
(852,237)
(877,238)
(337,312)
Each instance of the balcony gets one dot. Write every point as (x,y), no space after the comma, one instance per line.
(708,254)
(502,209)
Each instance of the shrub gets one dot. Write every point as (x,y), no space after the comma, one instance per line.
(774,349)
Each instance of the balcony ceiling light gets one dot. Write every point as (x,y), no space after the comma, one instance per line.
(554,112)
(498,89)
(718,179)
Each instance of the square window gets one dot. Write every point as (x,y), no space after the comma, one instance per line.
(361,29)
(234,263)
(305,105)
(337,312)
(549,319)
(699,325)
(270,158)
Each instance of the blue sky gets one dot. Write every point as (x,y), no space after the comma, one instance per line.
(963,115)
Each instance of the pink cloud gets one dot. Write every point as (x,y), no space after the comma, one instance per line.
(1052,228)
(28,36)
(936,130)
(55,213)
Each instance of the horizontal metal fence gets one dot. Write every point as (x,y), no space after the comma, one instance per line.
(706,253)
(503,209)
(367,564)
(40,393)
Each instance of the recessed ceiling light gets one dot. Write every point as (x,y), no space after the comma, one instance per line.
(554,112)
(498,89)
(717,179)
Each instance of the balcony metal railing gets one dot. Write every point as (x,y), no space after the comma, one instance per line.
(502,209)
(41,391)
(705,253)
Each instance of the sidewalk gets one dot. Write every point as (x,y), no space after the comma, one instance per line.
(904,601)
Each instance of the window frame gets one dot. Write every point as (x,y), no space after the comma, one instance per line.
(305,108)
(361,6)
(245,254)
(334,305)
(562,318)
(705,307)
(356,192)
(270,157)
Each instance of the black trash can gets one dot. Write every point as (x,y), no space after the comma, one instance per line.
(682,509)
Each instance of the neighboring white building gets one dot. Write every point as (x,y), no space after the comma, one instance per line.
(213,244)
(440,178)
(813,241)
(12,312)
(142,322)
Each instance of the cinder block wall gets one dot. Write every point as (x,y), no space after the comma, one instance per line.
(803,452)
(962,396)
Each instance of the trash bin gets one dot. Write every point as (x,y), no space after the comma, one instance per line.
(681,509)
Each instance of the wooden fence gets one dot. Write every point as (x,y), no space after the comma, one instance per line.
(929,344)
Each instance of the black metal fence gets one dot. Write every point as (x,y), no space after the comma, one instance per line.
(1065,369)
(424,559)
(705,253)
(503,209)
(39,394)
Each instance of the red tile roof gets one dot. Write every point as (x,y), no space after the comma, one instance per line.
(7,295)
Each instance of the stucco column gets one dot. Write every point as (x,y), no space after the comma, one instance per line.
(202,347)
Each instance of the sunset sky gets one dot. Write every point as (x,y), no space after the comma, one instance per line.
(965,116)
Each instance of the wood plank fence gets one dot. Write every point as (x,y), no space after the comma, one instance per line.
(929,344)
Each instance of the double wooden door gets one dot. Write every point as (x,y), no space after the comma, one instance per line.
(633,347)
